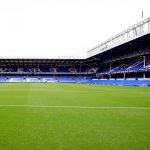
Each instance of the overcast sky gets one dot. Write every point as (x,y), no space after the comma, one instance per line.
(56,28)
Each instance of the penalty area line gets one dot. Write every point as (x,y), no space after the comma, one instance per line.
(77,107)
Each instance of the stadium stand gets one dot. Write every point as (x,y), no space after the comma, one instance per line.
(126,63)
(128,71)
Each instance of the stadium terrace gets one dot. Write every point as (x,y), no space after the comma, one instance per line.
(122,60)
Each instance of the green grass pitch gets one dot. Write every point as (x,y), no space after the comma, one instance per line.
(115,127)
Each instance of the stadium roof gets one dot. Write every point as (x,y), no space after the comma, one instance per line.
(130,34)
(32,62)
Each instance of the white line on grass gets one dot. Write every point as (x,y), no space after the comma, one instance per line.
(78,107)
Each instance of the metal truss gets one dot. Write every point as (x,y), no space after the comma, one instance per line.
(136,31)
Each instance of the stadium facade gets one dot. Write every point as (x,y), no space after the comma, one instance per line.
(122,60)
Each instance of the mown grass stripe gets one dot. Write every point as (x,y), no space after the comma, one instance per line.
(77,107)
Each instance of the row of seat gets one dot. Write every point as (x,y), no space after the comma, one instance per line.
(131,82)
(78,79)
(61,79)
(134,65)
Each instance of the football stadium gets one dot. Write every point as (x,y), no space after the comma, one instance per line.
(101,102)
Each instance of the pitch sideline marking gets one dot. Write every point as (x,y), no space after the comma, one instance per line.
(78,107)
